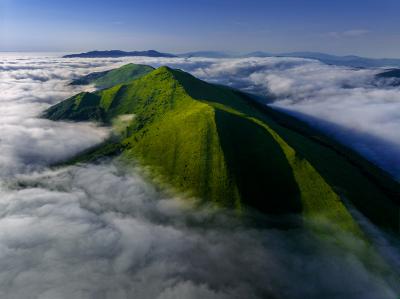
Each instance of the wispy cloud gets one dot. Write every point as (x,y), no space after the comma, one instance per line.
(348,33)
(92,231)
(28,86)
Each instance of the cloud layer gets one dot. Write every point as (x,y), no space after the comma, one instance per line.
(29,85)
(95,232)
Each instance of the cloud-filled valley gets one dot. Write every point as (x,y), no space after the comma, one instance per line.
(93,232)
(29,86)
(96,231)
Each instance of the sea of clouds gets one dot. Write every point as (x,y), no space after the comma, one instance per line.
(95,231)
(29,85)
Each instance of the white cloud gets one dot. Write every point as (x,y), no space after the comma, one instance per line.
(28,86)
(94,232)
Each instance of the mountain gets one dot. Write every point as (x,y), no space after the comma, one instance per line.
(118,53)
(393,73)
(389,77)
(113,77)
(206,54)
(218,144)
(350,60)
(258,54)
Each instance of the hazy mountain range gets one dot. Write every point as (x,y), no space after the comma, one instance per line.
(349,60)
(118,53)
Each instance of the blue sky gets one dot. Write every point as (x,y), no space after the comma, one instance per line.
(363,27)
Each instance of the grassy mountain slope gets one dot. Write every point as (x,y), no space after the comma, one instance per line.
(106,79)
(371,190)
(213,143)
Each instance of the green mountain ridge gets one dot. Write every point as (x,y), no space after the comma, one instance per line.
(215,143)
(123,74)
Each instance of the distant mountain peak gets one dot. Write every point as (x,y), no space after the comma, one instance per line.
(118,53)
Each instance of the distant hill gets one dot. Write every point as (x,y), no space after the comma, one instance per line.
(389,77)
(220,145)
(118,53)
(258,54)
(113,77)
(393,73)
(206,54)
(350,60)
